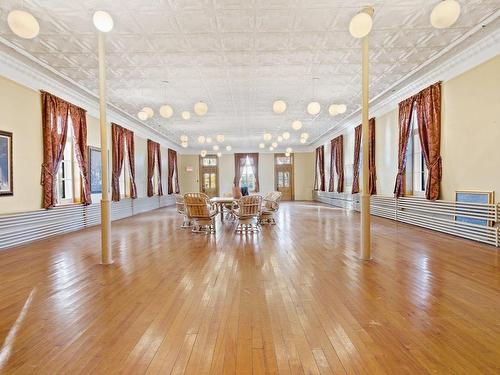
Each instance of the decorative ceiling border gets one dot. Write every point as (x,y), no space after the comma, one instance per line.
(479,45)
(23,68)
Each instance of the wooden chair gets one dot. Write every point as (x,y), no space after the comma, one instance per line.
(229,207)
(270,207)
(181,209)
(200,210)
(248,213)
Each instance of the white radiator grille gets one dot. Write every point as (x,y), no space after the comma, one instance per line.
(20,228)
(439,215)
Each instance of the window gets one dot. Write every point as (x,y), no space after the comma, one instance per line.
(247,175)
(209,161)
(283,160)
(68,181)
(416,171)
(156,175)
(124,176)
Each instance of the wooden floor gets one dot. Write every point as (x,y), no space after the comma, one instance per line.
(294,299)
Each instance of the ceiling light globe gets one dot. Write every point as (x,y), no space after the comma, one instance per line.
(304,136)
(215,147)
(209,140)
(313,108)
(184,138)
(166,111)
(184,144)
(289,149)
(268,137)
(203,153)
(143,116)
(279,106)
(186,115)
(271,148)
(23,24)
(297,125)
(219,154)
(201,139)
(201,108)
(220,138)
(303,140)
(333,110)
(149,111)
(445,14)
(262,145)
(361,25)
(286,135)
(228,148)
(280,139)
(341,108)
(274,144)
(103,21)
(287,154)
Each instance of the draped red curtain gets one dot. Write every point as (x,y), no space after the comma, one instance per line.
(129,140)
(79,121)
(428,105)
(173,184)
(339,162)
(154,160)
(405,114)
(118,153)
(357,151)
(319,172)
(254,162)
(331,181)
(372,170)
(239,163)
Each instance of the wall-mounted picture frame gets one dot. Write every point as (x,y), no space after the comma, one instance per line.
(95,170)
(6,177)
(474,196)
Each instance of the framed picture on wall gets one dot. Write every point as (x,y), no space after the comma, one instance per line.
(472,196)
(95,170)
(6,181)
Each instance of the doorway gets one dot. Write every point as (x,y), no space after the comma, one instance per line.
(283,172)
(209,175)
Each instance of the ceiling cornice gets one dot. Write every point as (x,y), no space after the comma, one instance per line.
(479,45)
(21,67)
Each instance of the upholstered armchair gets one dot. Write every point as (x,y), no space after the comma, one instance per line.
(270,207)
(248,213)
(200,210)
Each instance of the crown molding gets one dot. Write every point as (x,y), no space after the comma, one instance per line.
(479,45)
(23,68)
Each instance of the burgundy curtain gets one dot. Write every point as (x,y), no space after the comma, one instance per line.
(118,153)
(239,163)
(55,131)
(319,173)
(357,150)
(331,181)
(405,113)
(79,120)
(372,182)
(172,168)
(339,162)
(428,105)
(254,162)
(129,140)
(154,153)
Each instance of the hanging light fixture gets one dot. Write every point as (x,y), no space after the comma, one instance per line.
(103,21)
(336,109)
(286,135)
(228,148)
(445,14)
(166,111)
(361,24)
(313,108)
(149,111)
(215,147)
(23,24)
(203,153)
(280,139)
(303,140)
(274,144)
(219,154)
(186,115)
(279,106)
(220,138)
(271,148)
(209,140)
(287,154)
(184,144)
(262,145)
(297,125)
(184,138)
(289,150)
(201,139)
(304,135)
(143,116)
(201,108)
(268,137)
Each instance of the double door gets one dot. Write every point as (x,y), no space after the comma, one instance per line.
(283,172)
(209,175)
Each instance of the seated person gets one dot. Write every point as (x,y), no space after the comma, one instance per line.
(244,190)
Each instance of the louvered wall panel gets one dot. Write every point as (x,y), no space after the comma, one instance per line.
(20,228)
(439,215)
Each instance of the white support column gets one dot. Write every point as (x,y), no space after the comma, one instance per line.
(365,195)
(106,251)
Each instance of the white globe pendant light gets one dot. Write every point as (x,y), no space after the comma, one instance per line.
(341,108)
(203,153)
(143,116)
(268,137)
(303,140)
(304,136)
(184,144)
(262,145)
(287,154)
(361,24)
(274,144)
(186,115)
(337,109)
(219,154)
(184,138)
(103,21)
(313,108)
(201,108)
(209,140)
(228,148)
(445,14)
(286,135)
(23,24)
(289,150)
(297,125)
(279,106)
(149,111)
(280,139)
(215,147)
(201,139)
(271,148)
(166,111)
(220,138)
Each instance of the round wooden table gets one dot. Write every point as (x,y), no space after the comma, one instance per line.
(220,202)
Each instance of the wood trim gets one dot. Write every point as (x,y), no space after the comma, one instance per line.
(292,174)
